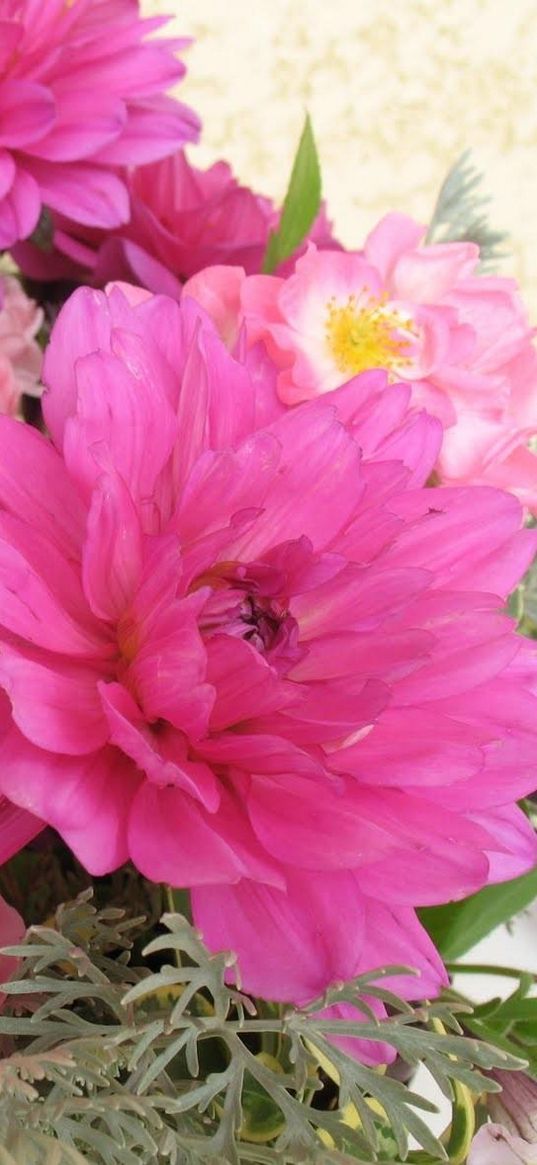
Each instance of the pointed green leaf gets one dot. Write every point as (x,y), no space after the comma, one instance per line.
(301,204)
(458,926)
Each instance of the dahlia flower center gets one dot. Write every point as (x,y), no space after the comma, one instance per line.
(246,602)
(367,333)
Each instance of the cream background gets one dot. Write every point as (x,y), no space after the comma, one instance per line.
(397,89)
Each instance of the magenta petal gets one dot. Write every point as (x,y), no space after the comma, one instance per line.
(169,671)
(112,562)
(323,827)
(244,682)
(172,839)
(17,828)
(152,132)
(7,169)
(160,753)
(29,609)
(102,115)
(87,193)
(57,710)
(515,849)
(395,937)
(306,945)
(19,209)
(118,425)
(27,112)
(68,792)
(12,930)
(35,486)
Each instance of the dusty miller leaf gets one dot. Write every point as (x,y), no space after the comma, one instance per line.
(461,213)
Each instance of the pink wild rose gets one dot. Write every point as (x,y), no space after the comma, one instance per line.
(20,354)
(462,341)
(243,647)
(82,91)
(182,220)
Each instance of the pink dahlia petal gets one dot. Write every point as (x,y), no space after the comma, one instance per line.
(19,208)
(244,683)
(12,930)
(151,131)
(494,552)
(34,484)
(83,326)
(68,792)
(170,671)
(7,172)
(82,90)
(433,749)
(29,609)
(17,828)
(306,943)
(322,827)
(103,116)
(173,839)
(112,562)
(28,112)
(514,850)
(395,936)
(138,449)
(94,195)
(58,710)
(159,752)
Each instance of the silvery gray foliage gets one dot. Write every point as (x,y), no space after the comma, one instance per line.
(461,213)
(117,1064)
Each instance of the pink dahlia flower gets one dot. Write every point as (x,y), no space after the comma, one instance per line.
(182,220)
(20,354)
(81,91)
(461,340)
(243,647)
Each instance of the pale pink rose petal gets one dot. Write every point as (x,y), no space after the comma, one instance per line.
(495,1145)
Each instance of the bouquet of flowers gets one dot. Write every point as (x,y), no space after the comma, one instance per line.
(268,677)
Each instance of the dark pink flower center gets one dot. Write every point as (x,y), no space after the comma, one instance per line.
(246,601)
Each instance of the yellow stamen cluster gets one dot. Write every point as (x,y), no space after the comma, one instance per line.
(367,335)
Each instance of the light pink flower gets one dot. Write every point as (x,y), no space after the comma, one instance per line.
(495,1145)
(82,91)
(461,340)
(244,648)
(20,354)
(182,219)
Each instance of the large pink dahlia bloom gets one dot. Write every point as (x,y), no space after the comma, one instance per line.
(243,647)
(460,339)
(81,91)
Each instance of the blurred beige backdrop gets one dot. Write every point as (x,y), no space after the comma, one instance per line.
(396,90)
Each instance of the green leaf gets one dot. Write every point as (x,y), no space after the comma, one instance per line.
(301,204)
(458,926)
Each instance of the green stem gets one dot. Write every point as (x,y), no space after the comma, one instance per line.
(170,903)
(486,969)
